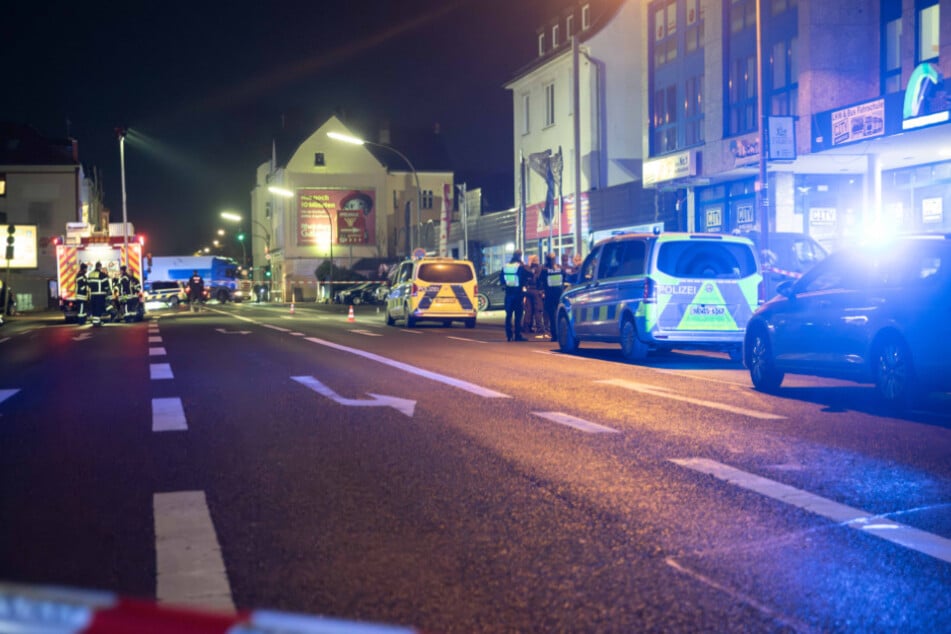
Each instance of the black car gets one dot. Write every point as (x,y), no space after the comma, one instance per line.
(364,293)
(491,295)
(787,256)
(877,313)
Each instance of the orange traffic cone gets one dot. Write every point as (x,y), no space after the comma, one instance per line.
(292,308)
(350,316)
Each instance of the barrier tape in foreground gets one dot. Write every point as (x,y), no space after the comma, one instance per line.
(55,610)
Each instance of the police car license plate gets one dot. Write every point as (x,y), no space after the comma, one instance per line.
(712,311)
(445,300)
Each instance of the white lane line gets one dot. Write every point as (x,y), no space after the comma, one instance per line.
(156,352)
(190,569)
(5,339)
(700,377)
(277,328)
(5,394)
(297,334)
(577,423)
(160,371)
(155,339)
(365,333)
(462,385)
(465,339)
(656,390)
(168,415)
(877,525)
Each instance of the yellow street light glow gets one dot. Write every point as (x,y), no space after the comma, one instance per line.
(280,191)
(233,217)
(346,138)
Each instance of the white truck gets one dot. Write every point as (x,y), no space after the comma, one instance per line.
(222,276)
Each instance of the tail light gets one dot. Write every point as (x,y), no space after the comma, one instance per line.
(414,290)
(650,291)
(475,290)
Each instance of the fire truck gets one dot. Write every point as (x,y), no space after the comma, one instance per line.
(108,250)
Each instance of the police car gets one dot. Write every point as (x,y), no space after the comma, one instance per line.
(163,294)
(663,291)
(432,289)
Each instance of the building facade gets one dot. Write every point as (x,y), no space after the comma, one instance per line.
(854,136)
(341,203)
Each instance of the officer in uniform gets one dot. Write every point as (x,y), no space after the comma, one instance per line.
(196,291)
(128,287)
(552,282)
(100,291)
(515,278)
(82,293)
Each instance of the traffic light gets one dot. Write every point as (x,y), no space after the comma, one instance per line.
(240,237)
(267,271)
(10,231)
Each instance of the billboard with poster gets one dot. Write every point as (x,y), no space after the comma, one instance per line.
(345,216)
(24,247)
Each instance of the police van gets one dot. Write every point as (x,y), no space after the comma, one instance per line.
(432,289)
(663,291)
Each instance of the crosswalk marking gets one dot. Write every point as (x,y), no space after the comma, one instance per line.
(877,525)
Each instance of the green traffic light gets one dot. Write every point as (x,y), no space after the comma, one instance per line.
(240,237)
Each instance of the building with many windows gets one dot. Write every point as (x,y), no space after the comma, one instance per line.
(855,132)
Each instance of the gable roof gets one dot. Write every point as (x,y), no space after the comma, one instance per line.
(24,145)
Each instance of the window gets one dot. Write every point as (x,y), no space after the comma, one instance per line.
(554,36)
(693,110)
(585,17)
(525,112)
(891,49)
(550,104)
(427,199)
(784,70)
(541,44)
(569,26)
(694,31)
(319,159)
(742,95)
(665,32)
(3,185)
(929,30)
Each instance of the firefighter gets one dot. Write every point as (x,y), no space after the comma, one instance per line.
(82,293)
(100,291)
(196,291)
(515,278)
(128,287)
(552,281)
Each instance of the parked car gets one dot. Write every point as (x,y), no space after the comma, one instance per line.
(662,291)
(787,257)
(163,294)
(491,295)
(875,313)
(364,293)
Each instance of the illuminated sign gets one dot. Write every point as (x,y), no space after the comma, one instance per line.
(782,139)
(668,168)
(337,216)
(859,122)
(24,247)
(926,101)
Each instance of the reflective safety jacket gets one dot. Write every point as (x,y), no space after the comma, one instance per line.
(128,286)
(552,278)
(82,287)
(513,275)
(99,283)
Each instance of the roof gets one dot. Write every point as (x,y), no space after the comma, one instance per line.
(24,145)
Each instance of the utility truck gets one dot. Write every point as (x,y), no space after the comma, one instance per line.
(107,250)
(223,278)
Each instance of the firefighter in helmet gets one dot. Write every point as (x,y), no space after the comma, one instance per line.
(82,293)
(100,291)
(129,288)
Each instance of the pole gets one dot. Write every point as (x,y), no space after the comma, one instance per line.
(576,105)
(125,219)
(762,186)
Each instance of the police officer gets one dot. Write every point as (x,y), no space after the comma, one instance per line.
(82,293)
(196,291)
(128,287)
(100,290)
(552,281)
(515,278)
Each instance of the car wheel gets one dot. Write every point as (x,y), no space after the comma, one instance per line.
(173,303)
(567,342)
(482,302)
(632,348)
(357,301)
(389,318)
(893,372)
(410,320)
(763,372)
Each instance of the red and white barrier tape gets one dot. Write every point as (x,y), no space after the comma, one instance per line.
(55,610)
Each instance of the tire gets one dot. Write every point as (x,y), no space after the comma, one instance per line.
(763,372)
(482,302)
(388,318)
(410,320)
(357,301)
(173,303)
(222,296)
(567,342)
(893,371)
(632,348)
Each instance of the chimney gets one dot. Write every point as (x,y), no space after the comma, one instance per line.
(384,135)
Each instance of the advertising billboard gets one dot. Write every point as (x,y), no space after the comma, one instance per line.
(336,216)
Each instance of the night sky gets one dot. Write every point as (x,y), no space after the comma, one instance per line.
(205,89)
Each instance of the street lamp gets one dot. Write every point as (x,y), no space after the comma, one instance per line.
(121,132)
(231,216)
(346,138)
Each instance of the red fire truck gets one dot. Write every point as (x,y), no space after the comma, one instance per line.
(89,250)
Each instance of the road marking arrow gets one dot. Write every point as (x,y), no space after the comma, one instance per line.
(403,405)
(233,332)
(5,394)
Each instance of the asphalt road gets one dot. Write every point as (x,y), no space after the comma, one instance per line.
(444,478)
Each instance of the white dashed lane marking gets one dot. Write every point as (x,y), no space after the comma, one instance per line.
(661,392)
(160,371)
(156,352)
(168,415)
(5,394)
(575,422)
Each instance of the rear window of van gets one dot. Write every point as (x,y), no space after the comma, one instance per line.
(706,259)
(445,273)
